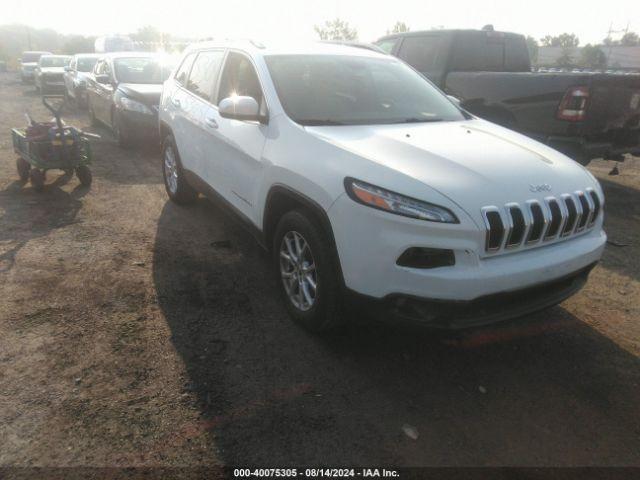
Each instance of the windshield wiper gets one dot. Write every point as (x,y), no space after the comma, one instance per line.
(420,120)
(319,123)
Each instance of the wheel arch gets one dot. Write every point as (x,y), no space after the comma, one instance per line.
(282,199)
(164,129)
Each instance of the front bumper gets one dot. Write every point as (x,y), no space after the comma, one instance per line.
(369,242)
(481,311)
(52,85)
(138,125)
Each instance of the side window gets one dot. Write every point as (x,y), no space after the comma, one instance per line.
(387,45)
(240,78)
(422,53)
(183,71)
(204,74)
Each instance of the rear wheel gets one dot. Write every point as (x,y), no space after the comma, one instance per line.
(37,178)
(84,175)
(175,182)
(92,114)
(24,168)
(308,272)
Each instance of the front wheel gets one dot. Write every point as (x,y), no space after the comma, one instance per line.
(24,168)
(307,272)
(175,182)
(37,178)
(122,137)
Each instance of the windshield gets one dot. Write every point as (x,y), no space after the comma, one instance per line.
(345,90)
(54,61)
(141,70)
(31,57)
(85,64)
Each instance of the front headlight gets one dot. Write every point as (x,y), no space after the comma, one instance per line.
(134,106)
(392,202)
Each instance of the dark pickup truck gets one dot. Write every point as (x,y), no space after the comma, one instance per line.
(584,115)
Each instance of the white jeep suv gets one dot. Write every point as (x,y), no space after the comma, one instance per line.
(363,178)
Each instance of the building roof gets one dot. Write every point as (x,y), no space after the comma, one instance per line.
(627,58)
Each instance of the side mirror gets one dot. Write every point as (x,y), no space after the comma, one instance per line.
(104,79)
(455,100)
(241,108)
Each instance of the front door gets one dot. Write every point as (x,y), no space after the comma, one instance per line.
(240,143)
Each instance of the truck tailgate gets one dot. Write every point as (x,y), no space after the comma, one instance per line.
(614,104)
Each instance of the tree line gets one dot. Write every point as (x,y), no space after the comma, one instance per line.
(14,39)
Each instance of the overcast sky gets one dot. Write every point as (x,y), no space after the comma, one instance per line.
(282,19)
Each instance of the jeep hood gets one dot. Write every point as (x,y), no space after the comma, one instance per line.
(474,163)
(148,94)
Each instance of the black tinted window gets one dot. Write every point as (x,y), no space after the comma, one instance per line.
(422,53)
(204,74)
(239,78)
(516,54)
(489,52)
(183,71)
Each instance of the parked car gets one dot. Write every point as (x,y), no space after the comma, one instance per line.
(76,74)
(49,74)
(28,64)
(362,178)
(113,43)
(584,115)
(123,93)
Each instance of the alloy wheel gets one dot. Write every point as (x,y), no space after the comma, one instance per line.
(298,271)
(171,170)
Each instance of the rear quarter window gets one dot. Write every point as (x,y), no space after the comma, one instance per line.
(183,72)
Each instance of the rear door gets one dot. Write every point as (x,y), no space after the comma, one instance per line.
(178,99)
(200,127)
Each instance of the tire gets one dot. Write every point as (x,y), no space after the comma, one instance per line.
(37,178)
(92,114)
(122,139)
(175,183)
(24,168)
(325,312)
(84,175)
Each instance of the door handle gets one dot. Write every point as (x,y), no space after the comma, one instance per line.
(176,102)
(211,122)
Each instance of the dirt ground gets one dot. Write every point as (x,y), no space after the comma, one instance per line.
(134,332)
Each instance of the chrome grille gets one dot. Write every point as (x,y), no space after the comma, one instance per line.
(515,225)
